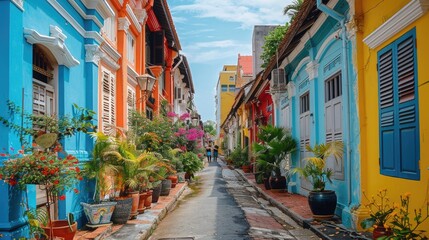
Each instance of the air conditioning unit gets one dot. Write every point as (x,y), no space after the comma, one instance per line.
(278,79)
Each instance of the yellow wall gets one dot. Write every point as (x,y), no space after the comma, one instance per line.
(376,13)
(226,98)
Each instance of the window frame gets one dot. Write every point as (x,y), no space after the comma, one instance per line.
(394,156)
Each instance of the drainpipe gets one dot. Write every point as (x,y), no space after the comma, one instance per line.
(345,69)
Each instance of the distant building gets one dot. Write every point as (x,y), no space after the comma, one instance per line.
(258,40)
(225,94)
(244,71)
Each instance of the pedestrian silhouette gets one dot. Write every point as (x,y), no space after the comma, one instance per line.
(209,153)
(215,152)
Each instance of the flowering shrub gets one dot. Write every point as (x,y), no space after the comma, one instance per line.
(380,210)
(404,225)
(42,168)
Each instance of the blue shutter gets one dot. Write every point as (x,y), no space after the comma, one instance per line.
(387,113)
(399,125)
(408,129)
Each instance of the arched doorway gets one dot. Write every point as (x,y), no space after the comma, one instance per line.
(44,101)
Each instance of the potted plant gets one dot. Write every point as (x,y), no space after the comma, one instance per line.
(380,210)
(101,164)
(271,150)
(53,174)
(191,164)
(322,202)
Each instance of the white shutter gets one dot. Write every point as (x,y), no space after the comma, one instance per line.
(43,98)
(333,121)
(108,101)
(131,102)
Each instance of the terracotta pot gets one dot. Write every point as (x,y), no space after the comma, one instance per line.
(142,199)
(174,180)
(148,201)
(381,231)
(61,229)
(246,168)
(135,204)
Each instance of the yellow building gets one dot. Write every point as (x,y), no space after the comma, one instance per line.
(225,95)
(392,57)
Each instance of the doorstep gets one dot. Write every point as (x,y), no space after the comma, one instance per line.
(141,227)
(296,206)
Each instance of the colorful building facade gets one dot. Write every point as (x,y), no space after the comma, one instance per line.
(225,95)
(319,104)
(390,56)
(49,62)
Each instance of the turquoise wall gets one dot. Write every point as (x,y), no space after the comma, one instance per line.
(326,50)
(77,84)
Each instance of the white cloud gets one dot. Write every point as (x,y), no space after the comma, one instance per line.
(208,51)
(245,12)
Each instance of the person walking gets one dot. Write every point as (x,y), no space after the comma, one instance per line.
(215,152)
(209,153)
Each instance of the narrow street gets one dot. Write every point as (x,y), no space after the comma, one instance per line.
(223,206)
(209,212)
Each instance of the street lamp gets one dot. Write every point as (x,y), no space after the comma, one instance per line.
(195,119)
(146,82)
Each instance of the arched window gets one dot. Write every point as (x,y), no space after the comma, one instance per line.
(43,81)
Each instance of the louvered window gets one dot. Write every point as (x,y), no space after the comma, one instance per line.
(333,120)
(108,102)
(131,48)
(131,102)
(398,113)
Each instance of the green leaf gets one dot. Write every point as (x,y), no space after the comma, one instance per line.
(47,140)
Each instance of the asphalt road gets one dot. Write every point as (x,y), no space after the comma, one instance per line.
(209,212)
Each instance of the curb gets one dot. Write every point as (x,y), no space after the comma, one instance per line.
(285,210)
(153,218)
(164,212)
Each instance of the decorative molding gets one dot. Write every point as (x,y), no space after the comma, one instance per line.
(325,45)
(96,36)
(134,18)
(132,81)
(93,53)
(132,72)
(291,89)
(404,17)
(300,64)
(312,31)
(101,6)
(123,23)
(84,15)
(106,59)
(141,15)
(19,4)
(312,70)
(112,52)
(55,43)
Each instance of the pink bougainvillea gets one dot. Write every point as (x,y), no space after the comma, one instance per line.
(171,114)
(184,116)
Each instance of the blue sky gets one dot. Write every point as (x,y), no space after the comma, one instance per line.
(212,34)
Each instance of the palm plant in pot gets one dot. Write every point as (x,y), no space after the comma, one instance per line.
(275,143)
(322,202)
(191,164)
(101,165)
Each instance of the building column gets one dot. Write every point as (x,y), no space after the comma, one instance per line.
(312,71)
(122,74)
(18,90)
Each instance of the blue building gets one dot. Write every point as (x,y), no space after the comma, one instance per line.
(319,103)
(49,60)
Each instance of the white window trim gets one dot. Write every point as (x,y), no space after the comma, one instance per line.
(131,55)
(404,17)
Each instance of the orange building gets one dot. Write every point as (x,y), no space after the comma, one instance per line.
(139,39)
